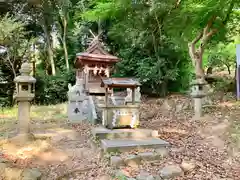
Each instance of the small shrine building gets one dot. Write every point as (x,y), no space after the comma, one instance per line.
(94,64)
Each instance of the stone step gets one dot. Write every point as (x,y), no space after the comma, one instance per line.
(123,145)
(104,133)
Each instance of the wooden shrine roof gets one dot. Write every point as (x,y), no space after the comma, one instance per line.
(120,82)
(96,53)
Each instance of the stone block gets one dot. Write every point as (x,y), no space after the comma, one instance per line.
(162,152)
(116,161)
(132,161)
(2,160)
(31,174)
(13,173)
(148,156)
(3,166)
(129,144)
(105,177)
(170,171)
(143,175)
(119,173)
(104,133)
(188,166)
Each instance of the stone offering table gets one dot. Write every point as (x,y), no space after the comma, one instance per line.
(117,115)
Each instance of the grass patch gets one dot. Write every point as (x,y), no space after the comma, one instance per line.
(42,112)
(48,115)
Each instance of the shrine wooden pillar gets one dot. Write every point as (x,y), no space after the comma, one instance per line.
(86,75)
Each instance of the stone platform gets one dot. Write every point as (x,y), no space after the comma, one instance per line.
(104,133)
(122,140)
(122,145)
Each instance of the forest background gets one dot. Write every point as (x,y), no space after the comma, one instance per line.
(164,43)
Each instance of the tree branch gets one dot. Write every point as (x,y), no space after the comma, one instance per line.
(209,25)
(207,34)
(177,4)
(200,35)
(192,48)
(11,64)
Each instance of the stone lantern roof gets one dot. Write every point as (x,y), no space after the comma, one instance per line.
(25,75)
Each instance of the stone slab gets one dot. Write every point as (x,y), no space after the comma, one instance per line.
(122,145)
(104,133)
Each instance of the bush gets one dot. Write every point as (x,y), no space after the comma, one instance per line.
(6,94)
(225,85)
(53,89)
(170,71)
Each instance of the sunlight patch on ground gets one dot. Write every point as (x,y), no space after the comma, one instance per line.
(38,112)
(174,130)
(42,117)
(13,151)
(235,132)
(229,104)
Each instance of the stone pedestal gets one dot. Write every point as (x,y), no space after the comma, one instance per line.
(198,107)
(198,94)
(24,116)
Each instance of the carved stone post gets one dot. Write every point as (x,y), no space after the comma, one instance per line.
(78,107)
(133,95)
(198,94)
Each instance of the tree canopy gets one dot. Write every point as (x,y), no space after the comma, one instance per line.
(163,43)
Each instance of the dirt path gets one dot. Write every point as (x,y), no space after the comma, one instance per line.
(212,143)
(206,142)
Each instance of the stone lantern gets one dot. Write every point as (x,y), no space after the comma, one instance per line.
(198,94)
(25,89)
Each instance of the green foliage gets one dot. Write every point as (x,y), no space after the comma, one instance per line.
(10,27)
(169,71)
(192,16)
(223,55)
(149,36)
(4,99)
(139,40)
(53,89)
(16,44)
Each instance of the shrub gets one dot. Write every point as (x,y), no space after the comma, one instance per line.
(169,71)
(53,89)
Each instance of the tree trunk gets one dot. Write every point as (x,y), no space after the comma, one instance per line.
(199,71)
(50,56)
(196,53)
(228,68)
(64,42)
(49,48)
